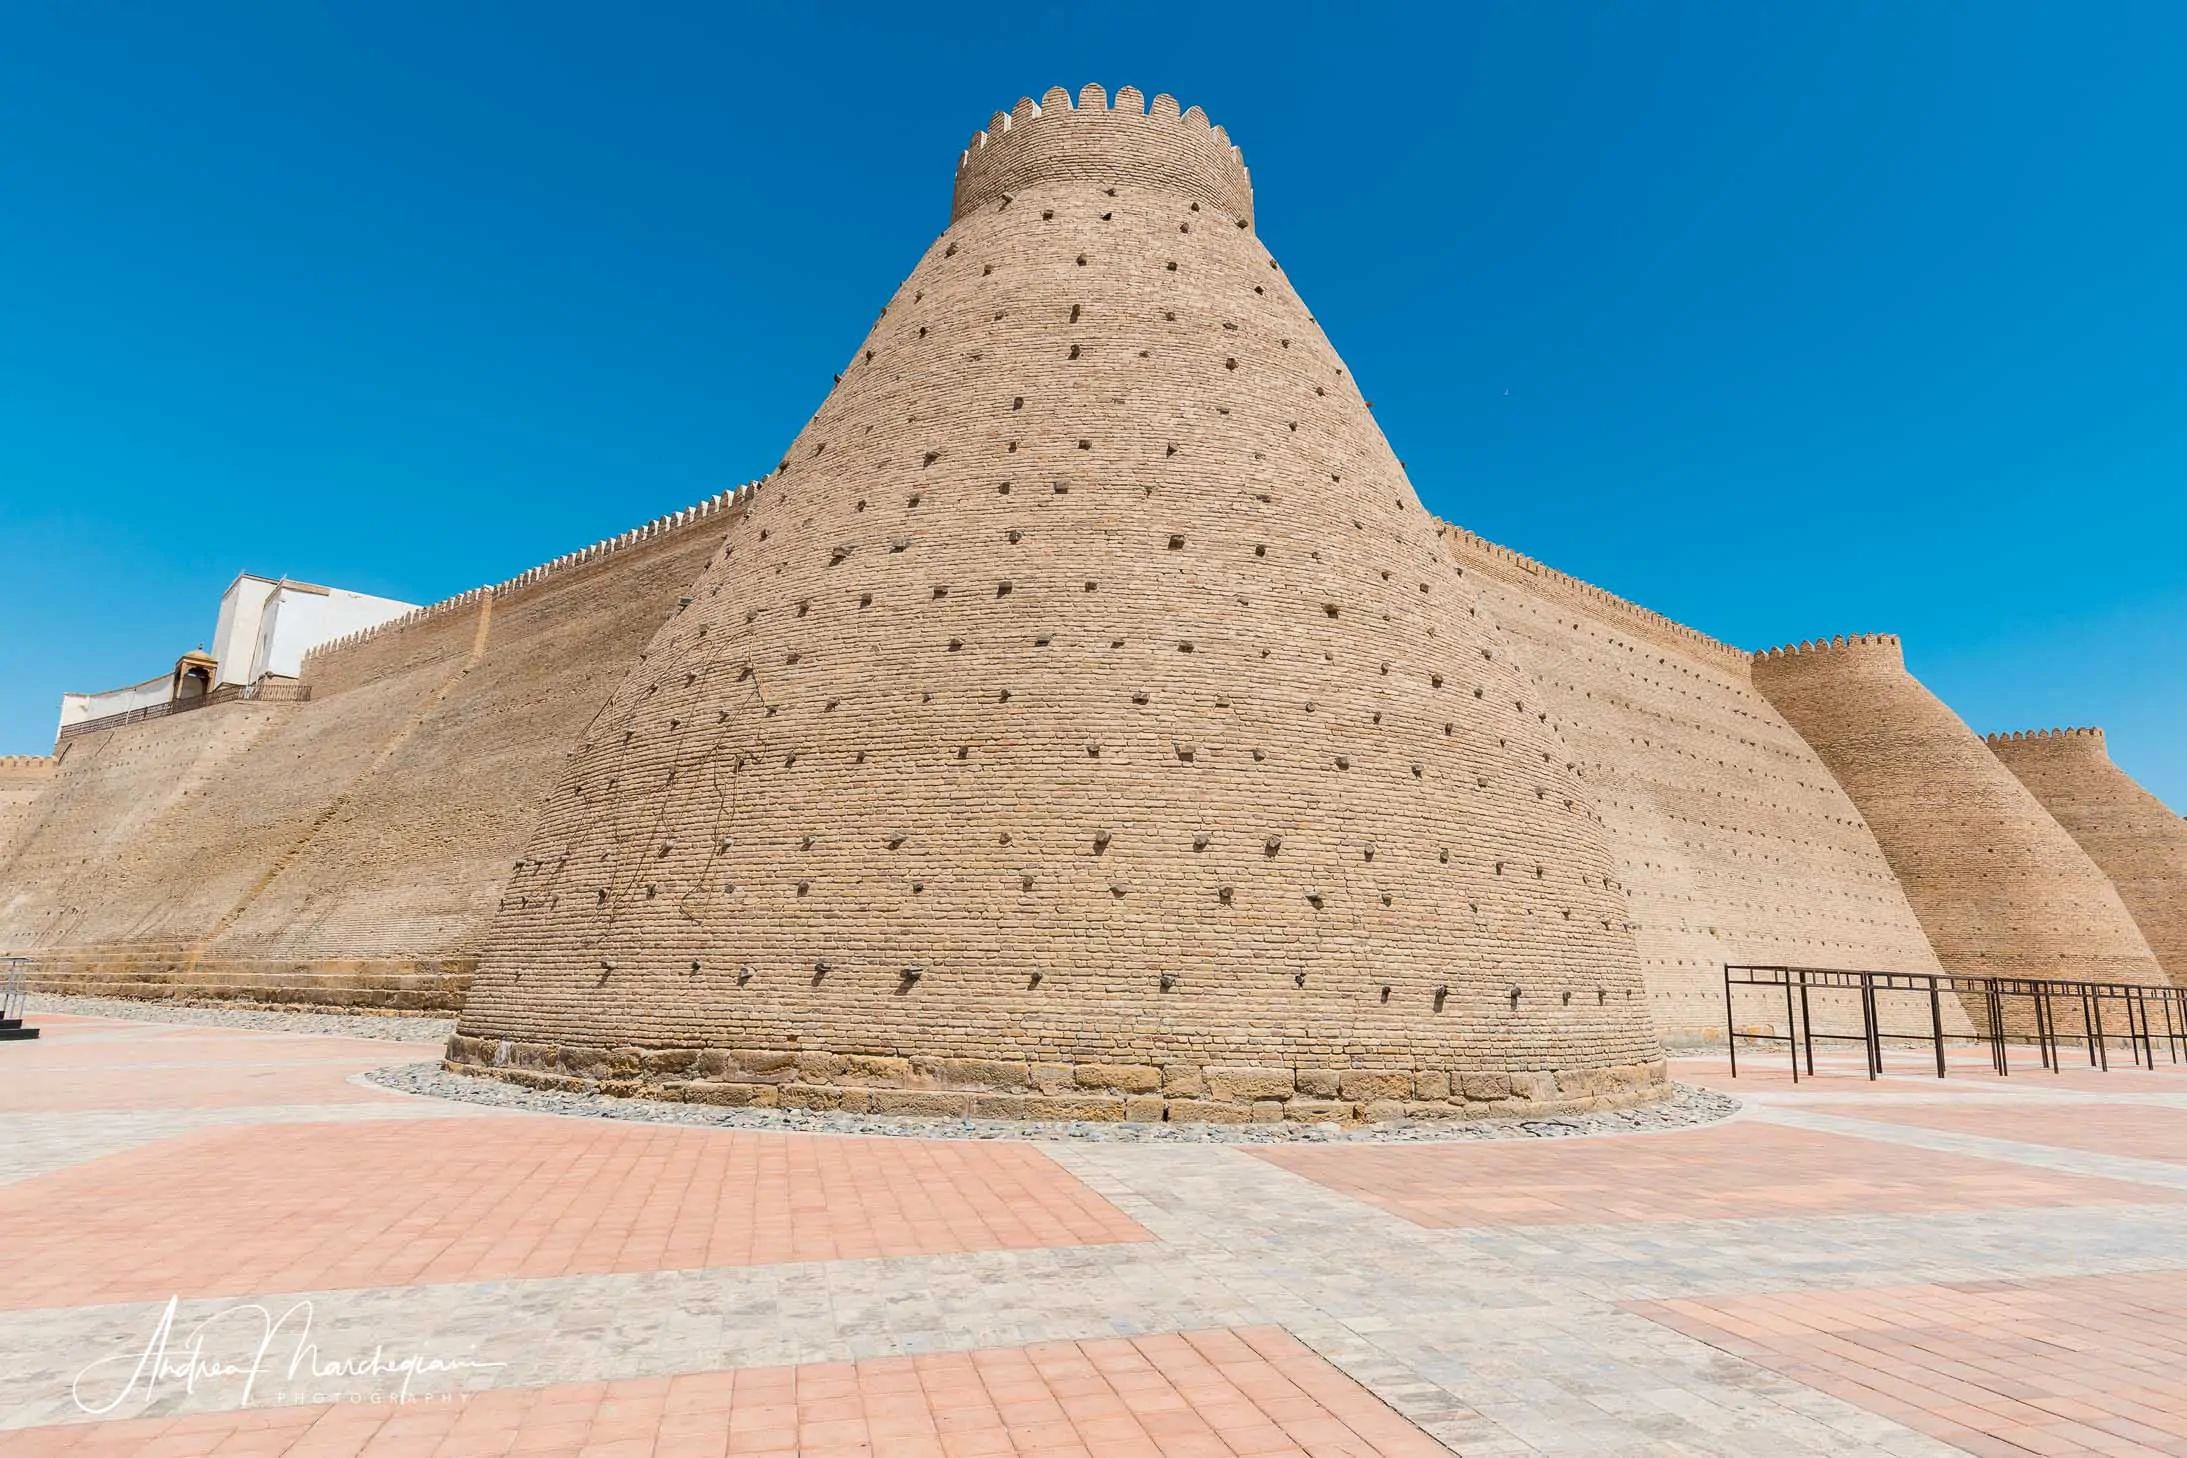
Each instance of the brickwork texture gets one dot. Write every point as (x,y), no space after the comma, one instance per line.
(347,849)
(2131,835)
(1734,843)
(1083,720)
(2000,887)
(23,779)
(1085,717)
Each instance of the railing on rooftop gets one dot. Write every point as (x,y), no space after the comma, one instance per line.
(266,690)
(2137,1009)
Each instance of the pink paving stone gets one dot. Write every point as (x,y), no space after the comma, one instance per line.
(1905,1070)
(2139,1130)
(2073,1365)
(249,1211)
(1770,1075)
(1252,1390)
(235,1086)
(1738,1170)
(147,1066)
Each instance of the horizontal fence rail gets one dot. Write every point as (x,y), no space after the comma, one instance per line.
(269,691)
(2135,1011)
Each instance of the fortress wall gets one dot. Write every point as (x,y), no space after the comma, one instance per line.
(23,778)
(346,848)
(1082,723)
(118,827)
(1999,886)
(1734,843)
(2131,835)
(412,862)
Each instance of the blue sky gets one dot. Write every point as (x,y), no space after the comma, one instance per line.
(1784,320)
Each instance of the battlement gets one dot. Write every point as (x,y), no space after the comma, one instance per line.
(2090,736)
(1052,140)
(26,764)
(1884,644)
(674,521)
(1646,623)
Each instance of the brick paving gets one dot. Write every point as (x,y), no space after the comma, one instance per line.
(2078,1365)
(2135,1131)
(1906,1268)
(1912,1070)
(89,1063)
(238,1211)
(1252,1391)
(1728,1172)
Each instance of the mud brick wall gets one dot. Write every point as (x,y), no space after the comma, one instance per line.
(1082,720)
(2131,835)
(23,778)
(2000,888)
(347,849)
(110,847)
(1733,841)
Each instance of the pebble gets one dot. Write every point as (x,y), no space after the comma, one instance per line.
(1685,1107)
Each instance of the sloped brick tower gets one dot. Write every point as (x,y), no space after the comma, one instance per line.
(1999,886)
(1081,722)
(2128,832)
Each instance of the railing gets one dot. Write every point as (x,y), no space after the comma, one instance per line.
(269,691)
(14,992)
(1992,995)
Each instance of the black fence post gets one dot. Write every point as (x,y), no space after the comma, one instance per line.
(1868,1027)
(1792,1043)
(1807,1022)
(1731,1028)
(2046,1023)
(1936,1025)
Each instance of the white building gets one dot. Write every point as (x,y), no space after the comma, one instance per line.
(266,626)
(76,708)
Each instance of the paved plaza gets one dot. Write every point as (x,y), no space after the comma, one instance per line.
(223,1241)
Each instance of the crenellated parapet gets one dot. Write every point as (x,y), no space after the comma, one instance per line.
(1501,561)
(19,767)
(531,577)
(1866,644)
(1127,144)
(1842,659)
(2031,736)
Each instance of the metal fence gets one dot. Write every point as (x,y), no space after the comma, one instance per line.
(2134,1012)
(271,691)
(14,991)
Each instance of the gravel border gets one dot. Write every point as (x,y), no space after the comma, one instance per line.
(1687,1107)
(392,1026)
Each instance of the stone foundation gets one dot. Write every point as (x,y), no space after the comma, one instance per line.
(997,1089)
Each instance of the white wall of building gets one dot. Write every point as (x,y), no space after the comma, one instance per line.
(235,637)
(266,625)
(298,617)
(76,708)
